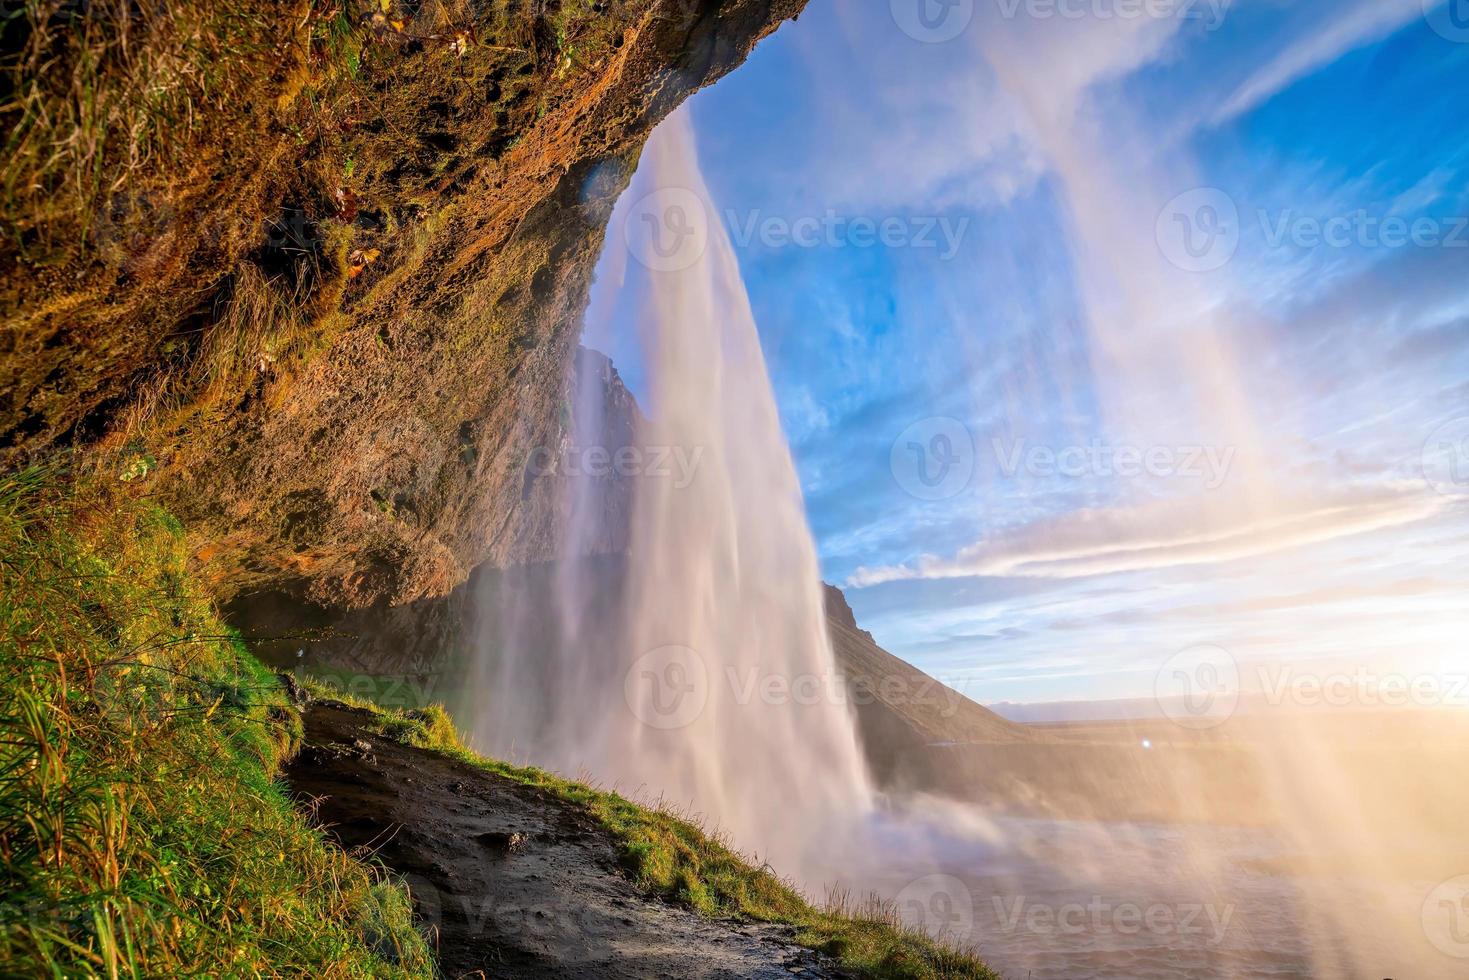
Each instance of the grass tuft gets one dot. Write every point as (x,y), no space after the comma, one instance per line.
(98,92)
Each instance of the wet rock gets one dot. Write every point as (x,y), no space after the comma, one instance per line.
(553,911)
(501,841)
(297,694)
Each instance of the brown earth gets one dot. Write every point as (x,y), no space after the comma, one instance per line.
(330,327)
(513,881)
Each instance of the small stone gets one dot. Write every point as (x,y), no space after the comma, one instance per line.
(499,840)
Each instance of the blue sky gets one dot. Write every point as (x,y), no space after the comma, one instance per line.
(1183,299)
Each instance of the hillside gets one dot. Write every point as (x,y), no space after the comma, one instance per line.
(426,650)
(900,709)
(522,874)
(144,830)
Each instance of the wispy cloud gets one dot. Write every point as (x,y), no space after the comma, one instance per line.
(1338,31)
(1157,536)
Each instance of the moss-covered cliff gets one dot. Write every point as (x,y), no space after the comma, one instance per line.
(317,268)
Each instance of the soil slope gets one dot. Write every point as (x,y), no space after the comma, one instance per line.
(516,882)
(902,712)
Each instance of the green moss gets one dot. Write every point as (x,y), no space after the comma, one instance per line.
(141,830)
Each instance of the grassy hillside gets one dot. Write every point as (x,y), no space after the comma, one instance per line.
(141,832)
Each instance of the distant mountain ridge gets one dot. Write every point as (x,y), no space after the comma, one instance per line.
(901,710)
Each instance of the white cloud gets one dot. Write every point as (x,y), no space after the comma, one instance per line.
(1158,535)
(1340,32)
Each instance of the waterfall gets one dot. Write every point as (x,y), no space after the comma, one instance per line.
(694,669)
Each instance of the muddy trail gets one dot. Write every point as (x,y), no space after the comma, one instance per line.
(513,881)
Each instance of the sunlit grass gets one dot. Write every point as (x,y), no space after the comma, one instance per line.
(141,831)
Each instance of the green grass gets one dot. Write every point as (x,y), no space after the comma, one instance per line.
(673,857)
(99,93)
(141,830)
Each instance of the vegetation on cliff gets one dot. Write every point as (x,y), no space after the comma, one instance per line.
(325,259)
(141,830)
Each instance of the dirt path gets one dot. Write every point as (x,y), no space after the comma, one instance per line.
(516,882)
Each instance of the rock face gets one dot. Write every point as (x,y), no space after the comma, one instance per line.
(902,713)
(838,610)
(334,340)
